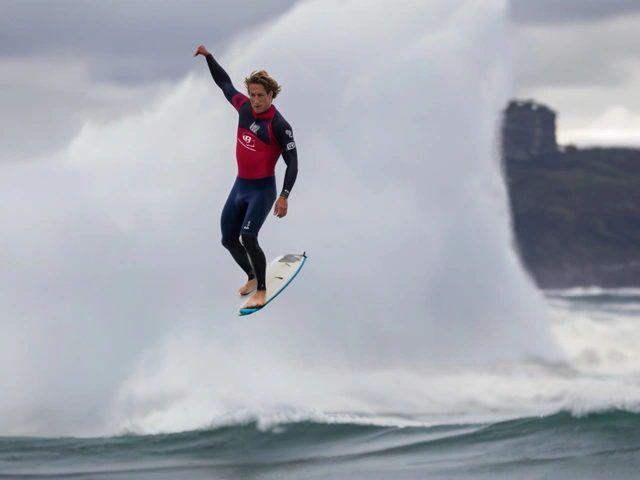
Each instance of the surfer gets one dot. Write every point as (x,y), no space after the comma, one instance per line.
(263,135)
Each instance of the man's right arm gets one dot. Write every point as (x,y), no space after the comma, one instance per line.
(222,79)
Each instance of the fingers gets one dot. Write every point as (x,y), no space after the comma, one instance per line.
(280,212)
(280,208)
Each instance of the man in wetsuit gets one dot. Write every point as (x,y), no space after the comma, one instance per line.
(263,135)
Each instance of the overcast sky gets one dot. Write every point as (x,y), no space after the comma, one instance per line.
(582,58)
(64,62)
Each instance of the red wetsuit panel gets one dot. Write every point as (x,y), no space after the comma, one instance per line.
(256,157)
(261,139)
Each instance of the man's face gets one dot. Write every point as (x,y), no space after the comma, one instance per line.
(260,101)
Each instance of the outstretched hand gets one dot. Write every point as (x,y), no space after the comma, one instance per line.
(282,204)
(201,51)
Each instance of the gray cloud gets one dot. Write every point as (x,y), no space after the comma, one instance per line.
(45,101)
(588,72)
(569,11)
(64,63)
(128,41)
(604,54)
(582,58)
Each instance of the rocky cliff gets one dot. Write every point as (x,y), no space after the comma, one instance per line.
(576,212)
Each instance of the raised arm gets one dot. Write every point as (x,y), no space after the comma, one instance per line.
(222,79)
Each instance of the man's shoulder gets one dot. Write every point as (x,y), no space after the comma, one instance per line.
(283,132)
(239,100)
(279,122)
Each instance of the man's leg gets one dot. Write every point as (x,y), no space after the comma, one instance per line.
(257,258)
(230,226)
(260,204)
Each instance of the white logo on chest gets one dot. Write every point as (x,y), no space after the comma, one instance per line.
(247,141)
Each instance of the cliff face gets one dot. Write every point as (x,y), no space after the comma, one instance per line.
(576,213)
(528,129)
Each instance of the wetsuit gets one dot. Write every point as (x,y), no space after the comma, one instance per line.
(261,139)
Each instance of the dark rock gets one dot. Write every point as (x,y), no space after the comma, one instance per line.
(576,212)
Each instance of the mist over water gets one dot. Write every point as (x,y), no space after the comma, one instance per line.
(118,305)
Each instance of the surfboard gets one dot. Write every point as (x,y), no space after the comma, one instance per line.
(280,273)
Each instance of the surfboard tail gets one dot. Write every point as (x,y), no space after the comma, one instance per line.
(280,273)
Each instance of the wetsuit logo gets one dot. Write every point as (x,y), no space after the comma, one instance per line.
(291,145)
(254,127)
(289,133)
(248,225)
(248,141)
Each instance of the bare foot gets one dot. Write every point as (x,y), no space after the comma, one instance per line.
(257,300)
(248,287)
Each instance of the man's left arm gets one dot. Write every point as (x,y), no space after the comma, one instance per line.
(284,135)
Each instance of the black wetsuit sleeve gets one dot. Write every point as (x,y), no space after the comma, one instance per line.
(284,134)
(222,79)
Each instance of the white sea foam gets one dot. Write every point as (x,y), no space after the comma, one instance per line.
(118,306)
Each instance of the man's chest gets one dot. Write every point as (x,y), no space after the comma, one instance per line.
(260,128)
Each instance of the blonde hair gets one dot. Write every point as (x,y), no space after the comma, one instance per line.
(261,77)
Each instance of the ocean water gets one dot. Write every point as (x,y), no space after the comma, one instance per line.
(526,420)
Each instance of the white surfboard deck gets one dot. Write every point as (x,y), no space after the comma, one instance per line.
(280,272)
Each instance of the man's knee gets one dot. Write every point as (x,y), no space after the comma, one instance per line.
(249,240)
(229,242)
